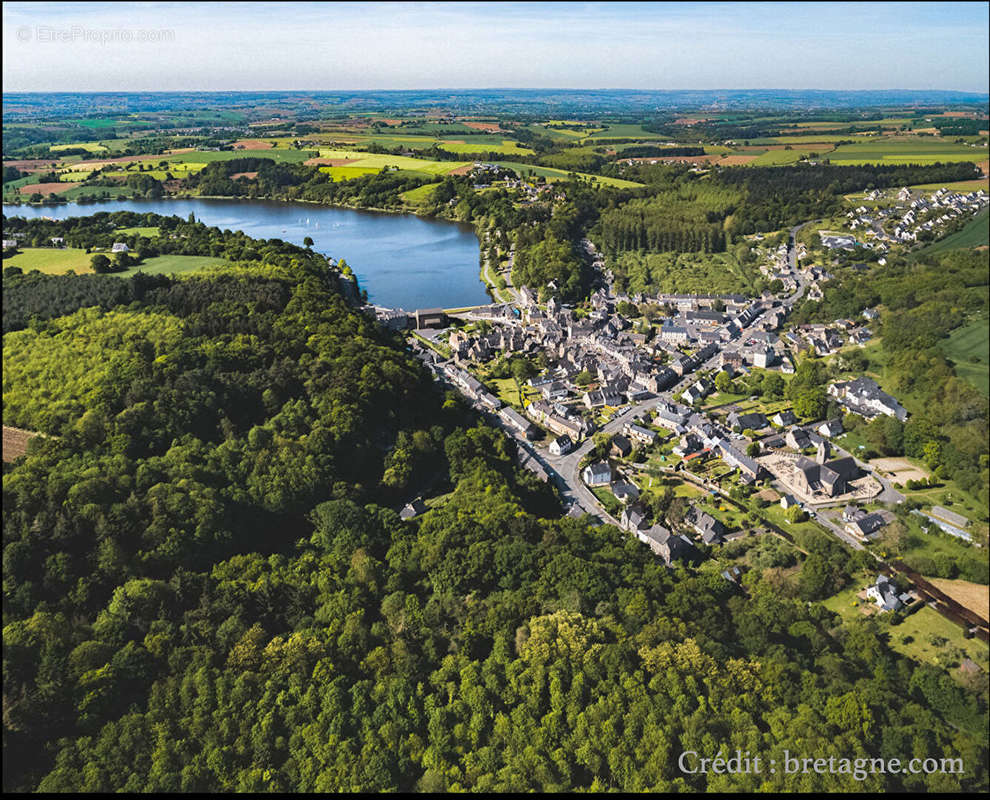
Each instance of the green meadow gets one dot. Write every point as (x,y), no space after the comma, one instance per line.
(975,234)
(968,347)
(51,260)
(915,150)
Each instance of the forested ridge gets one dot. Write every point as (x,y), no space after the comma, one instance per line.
(207,587)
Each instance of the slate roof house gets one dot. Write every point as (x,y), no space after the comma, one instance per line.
(597,474)
(561,445)
(621,446)
(784,418)
(709,528)
(864,396)
(413,509)
(884,594)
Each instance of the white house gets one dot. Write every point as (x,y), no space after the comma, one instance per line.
(597,474)
(561,445)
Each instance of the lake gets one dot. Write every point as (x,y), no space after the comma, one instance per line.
(402,260)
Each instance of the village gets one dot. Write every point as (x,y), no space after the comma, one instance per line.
(628,398)
(619,409)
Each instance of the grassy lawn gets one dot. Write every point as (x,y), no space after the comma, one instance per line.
(926,629)
(607,499)
(51,260)
(505,390)
(846,604)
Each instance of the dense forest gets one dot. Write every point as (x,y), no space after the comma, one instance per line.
(207,586)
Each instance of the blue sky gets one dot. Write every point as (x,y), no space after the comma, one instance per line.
(230,46)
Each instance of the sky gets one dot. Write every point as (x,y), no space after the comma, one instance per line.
(332,46)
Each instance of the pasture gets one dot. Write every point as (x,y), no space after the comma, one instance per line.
(975,234)
(419,195)
(172,265)
(146,231)
(968,348)
(905,150)
(51,260)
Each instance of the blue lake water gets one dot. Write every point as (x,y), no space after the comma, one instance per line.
(402,260)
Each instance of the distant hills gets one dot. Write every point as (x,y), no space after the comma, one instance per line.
(30,104)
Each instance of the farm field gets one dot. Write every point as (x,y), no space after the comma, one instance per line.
(773,158)
(622,131)
(970,342)
(376,161)
(974,596)
(904,151)
(207,156)
(93,147)
(51,260)
(958,186)
(46,188)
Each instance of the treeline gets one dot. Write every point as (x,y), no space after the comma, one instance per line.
(647,150)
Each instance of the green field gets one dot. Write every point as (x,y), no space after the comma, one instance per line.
(92,147)
(349,172)
(148,232)
(206,156)
(905,151)
(51,260)
(623,131)
(967,343)
(420,195)
(552,174)
(975,234)
(54,261)
(958,186)
(471,145)
(775,158)
(170,265)
(375,161)
(919,636)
